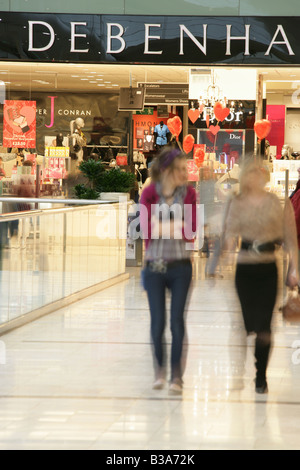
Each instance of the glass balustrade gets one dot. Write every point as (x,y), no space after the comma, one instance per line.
(47,255)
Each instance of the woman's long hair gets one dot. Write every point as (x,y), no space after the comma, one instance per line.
(165,160)
(250,165)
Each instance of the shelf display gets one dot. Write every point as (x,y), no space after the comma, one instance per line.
(6,187)
(54,168)
(57,163)
(278,177)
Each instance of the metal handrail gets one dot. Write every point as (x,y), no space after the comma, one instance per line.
(33,212)
(82,202)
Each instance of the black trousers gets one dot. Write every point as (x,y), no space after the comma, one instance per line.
(256,286)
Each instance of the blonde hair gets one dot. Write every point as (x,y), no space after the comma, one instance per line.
(250,165)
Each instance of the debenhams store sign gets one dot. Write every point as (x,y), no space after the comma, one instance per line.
(150,39)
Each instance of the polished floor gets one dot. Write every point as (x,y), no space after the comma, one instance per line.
(81,378)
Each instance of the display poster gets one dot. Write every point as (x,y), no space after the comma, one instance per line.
(193,171)
(276,114)
(227,145)
(19,124)
(130,249)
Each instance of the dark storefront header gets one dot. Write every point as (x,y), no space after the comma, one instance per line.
(150,39)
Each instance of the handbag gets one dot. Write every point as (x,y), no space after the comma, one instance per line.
(291,307)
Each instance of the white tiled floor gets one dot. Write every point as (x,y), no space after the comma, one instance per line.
(81,378)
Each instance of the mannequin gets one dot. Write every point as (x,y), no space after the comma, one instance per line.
(161,134)
(78,138)
(59,140)
(286,152)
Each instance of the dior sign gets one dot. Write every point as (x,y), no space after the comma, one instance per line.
(149,39)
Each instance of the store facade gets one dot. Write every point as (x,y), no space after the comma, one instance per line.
(72,66)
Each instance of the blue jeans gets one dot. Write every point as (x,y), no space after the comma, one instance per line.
(178,280)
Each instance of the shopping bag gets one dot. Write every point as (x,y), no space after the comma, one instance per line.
(291,307)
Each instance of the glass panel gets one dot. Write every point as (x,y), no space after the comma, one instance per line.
(47,256)
(4,272)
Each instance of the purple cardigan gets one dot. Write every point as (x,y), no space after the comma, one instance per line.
(150,197)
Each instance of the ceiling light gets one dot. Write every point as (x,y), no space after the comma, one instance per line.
(41,82)
(282,81)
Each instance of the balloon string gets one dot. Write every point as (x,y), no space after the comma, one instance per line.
(216,139)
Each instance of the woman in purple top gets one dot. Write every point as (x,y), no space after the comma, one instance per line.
(168,217)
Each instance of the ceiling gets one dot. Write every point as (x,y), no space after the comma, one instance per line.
(99,78)
(88,78)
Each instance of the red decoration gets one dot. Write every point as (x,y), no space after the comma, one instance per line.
(199,157)
(207,121)
(188,143)
(221,113)
(193,115)
(122,160)
(175,126)
(214,129)
(262,128)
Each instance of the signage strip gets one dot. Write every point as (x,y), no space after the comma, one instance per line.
(139,39)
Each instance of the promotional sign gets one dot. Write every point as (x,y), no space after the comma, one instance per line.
(149,39)
(193,171)
(277,116)
(19,124)
(227,145)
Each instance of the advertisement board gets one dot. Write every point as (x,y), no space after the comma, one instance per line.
(19,124)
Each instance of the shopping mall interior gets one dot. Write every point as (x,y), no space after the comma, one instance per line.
(76,367)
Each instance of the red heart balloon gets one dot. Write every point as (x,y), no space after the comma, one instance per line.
(175,125)
(193,115)
(214,129)
(262,128)
(188,143)
(221,113)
